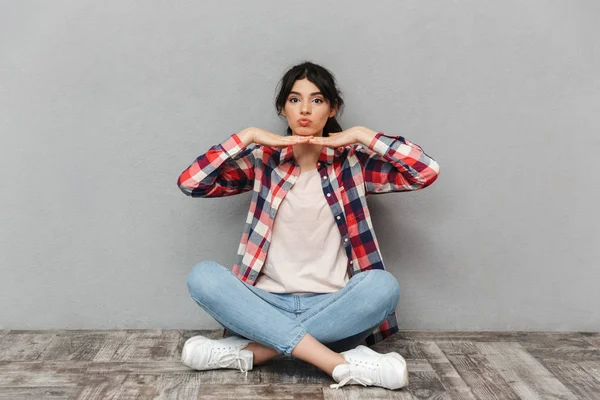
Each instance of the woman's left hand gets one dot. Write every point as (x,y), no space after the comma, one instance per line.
(348,136)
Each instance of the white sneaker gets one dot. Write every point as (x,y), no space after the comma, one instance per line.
(368,368)
(202,353)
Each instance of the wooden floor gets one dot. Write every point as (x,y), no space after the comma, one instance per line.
(144,364)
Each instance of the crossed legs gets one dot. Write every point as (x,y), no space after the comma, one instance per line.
(231,302)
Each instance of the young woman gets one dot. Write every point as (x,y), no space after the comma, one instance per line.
(309,280)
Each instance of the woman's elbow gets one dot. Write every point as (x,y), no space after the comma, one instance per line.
(197,190)
(431,174)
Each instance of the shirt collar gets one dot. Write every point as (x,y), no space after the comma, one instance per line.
(326,155)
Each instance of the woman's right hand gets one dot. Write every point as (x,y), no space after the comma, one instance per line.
(261,136)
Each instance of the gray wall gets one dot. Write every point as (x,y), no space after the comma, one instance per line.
(103,106)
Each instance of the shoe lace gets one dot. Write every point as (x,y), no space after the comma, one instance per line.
(227,359)
(355,375)
(356,378)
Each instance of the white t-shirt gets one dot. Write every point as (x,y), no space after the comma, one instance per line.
(306,254)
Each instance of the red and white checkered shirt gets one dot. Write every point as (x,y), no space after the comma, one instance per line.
(348,174)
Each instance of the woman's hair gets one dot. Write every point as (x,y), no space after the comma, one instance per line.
(323,79)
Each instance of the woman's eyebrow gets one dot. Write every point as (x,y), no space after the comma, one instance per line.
(312,94)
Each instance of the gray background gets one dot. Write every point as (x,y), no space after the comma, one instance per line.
(102,106)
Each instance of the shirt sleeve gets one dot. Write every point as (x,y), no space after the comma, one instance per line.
(224,170)
(394,164)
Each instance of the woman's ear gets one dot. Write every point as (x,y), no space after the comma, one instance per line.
(333,112)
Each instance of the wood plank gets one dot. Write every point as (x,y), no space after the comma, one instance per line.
(424,382)
(290,371)
(149,345)
(592,338)
(568,346)
(458,347)
(21,345)
(115,386)
(485,382)
(82,345)
(46,393)
(592,368)
(359,392)
(409,349)
(470,336)
(141,367)
(574,377)
(113,339)
(181,386)
(235,391)
(449,377)
(189,386)
(41,373)
(524,374)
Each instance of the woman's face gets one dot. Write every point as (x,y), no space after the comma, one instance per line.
(306,101)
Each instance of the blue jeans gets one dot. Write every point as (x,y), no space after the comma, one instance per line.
(340,320)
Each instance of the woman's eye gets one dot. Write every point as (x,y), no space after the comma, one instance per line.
(295,98)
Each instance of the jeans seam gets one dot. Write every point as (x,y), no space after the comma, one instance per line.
(299,336)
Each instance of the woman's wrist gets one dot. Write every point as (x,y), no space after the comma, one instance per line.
(246,136)
(365,135)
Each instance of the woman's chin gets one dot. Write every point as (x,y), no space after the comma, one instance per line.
(305,131)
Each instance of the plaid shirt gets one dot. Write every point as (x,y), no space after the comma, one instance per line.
(349,173)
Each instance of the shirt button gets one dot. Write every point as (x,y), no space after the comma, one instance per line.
(338,217)
(345,240)
(324,177)
(350,261)
(328,194)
